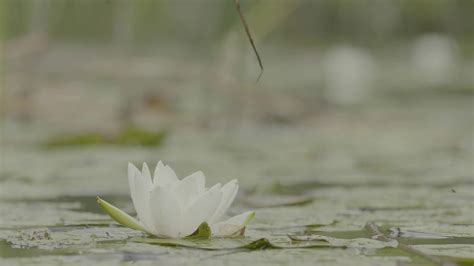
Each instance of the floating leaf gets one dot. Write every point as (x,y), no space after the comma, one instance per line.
(277,201)
(203,244)
(223,244)
(259,244)
(308,238)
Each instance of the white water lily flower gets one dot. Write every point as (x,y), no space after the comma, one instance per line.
(169,207)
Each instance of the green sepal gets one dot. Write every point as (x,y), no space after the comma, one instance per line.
(120,216)
(203,232)
(249,218)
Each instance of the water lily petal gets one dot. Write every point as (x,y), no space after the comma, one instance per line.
(201,209)
(142,185)
(146,175)
(164,175)
(137,191)
(165,212)
(189,188)
(233,226)
(229,191)
(132,171)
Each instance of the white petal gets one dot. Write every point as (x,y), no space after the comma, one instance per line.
(189,188)
(141,197)
(233,226)
(146,175)
(164,175)
(201,209)
(134,177)
(131,181)
(165,212)
(229,191)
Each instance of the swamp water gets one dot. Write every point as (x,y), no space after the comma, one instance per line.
(318,190)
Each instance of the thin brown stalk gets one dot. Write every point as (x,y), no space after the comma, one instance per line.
(249,36)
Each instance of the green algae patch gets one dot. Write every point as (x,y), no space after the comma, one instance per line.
(128,137)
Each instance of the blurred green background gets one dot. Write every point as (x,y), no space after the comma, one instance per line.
(365,112)
(190,62)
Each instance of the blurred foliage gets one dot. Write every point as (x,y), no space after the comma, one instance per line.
(79,140)
(135,136)
(206,20)
(129,136)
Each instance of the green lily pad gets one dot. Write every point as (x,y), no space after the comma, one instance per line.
(269,201)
